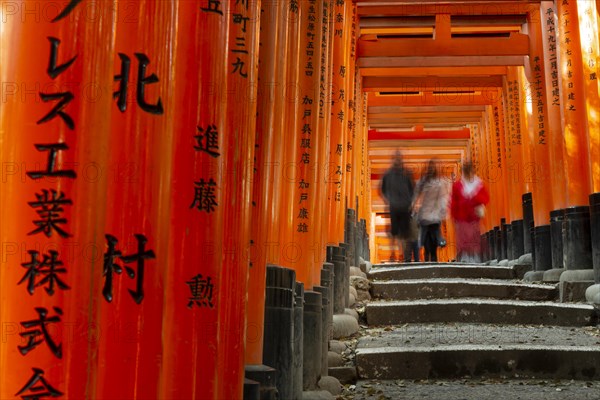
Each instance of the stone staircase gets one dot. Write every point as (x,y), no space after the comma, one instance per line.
(450,321)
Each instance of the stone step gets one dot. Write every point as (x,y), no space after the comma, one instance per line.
(432,351)
(479,311)
(457,288)
(441,270)
(476,389)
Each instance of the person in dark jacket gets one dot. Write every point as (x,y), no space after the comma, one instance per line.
(397,189)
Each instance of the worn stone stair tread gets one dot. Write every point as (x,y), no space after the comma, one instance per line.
(477,389)
(437,335)
(404,289)
(574,362)
(477,310)
(477,347)
(415,271)
(424,351)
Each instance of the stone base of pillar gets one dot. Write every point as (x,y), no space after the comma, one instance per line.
(266,377)
(344,325)
(574,283)
(592,294)
(534,276)
(526,259)
(553,275)
(331,384)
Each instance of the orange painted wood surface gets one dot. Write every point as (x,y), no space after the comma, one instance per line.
(574,116)
(140,141)
(539,124)
(590,51)
(240,128)
(549,26)
(54,176)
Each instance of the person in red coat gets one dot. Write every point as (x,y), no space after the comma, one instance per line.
(467,206)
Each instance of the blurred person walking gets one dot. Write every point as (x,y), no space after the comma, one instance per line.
(397,189)
(431,203)
(469,197)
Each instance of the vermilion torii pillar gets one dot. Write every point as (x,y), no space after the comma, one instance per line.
(56,98)
(549,26)
(538,122)
(574,116)
(335,175)
(588,26)
(269,168)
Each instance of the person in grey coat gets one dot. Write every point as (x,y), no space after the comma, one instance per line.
(431,204)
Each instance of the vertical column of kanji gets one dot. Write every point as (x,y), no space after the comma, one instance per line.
(136,230)
(357,135)
(526,108)
(515,145)
(538,121)
(549,22)
(501,137)
(490,216)
(335,175)
(497,163)
(349,134)
(506,139)
(238,147)
(290,251)
(574,116)
(490,168)
(322,90)
(191,282)
(507,133)
(307,146)
(588,24)
(56,100)
(364,159)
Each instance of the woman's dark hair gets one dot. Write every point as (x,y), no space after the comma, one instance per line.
(431,171)
(467,168)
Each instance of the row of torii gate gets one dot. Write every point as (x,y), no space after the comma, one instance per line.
(156,156)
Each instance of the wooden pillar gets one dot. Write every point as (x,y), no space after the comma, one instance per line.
(137,227)
(290,251)
(268,164)
(538,122)
(526,108)
(52,163)
(350,27)
(308,147)
(335,165)
(325,93)
(499,156)
(483,170)
(588,26)
(197,205)
(241,126)
(549,26)
(515,144)
(573,106)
